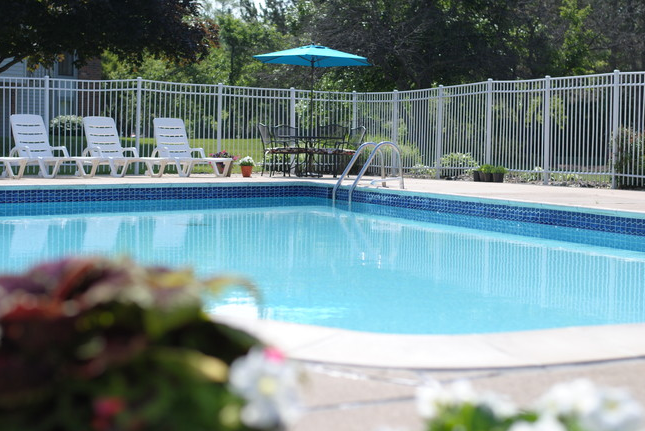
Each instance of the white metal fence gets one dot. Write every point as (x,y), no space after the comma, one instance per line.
(588,126)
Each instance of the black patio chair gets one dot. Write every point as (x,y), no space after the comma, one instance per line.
(276,151)
(347,149)
(331,139)
(354,140)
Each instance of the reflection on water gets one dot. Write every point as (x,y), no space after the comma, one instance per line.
(329,267)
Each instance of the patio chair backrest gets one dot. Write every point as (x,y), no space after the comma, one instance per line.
(102,137)
(333,131)
(30,136)
(171,138)
(284,134)
(356,136)
(265,135)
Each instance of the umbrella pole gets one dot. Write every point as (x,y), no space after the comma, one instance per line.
(311,103)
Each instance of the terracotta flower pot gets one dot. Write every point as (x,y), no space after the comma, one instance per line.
(246,170)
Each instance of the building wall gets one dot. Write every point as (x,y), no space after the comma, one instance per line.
(16,71)
(91,71)
(14,98)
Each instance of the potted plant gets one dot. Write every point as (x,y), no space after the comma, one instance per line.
(486,172)
(220,166)
(246,165)
(477,174)
(498,173)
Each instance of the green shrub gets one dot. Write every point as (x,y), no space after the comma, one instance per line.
(630,158)
(459,160)
(410,154)
(535,175)
(499,170)
(486,169)
(421,171)
(455,164)
(66,123)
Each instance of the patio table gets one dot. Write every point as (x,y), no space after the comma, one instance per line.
(312,147)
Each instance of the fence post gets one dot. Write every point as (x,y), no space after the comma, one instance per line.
(137,123)
(439,135)
(614,126)
(220,106)
(354,109)
(46,98)
(292,107)
(395,116)
(546,137)
(489,120)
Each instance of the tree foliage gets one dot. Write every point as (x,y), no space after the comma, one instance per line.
(411,43)
(622,26)
(42,30)
(419,43)
(231,62)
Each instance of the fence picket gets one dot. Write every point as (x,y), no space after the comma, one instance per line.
(587,126)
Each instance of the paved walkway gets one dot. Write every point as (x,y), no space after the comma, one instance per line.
(359,381)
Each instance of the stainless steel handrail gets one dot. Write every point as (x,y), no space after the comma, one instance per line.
(376,149)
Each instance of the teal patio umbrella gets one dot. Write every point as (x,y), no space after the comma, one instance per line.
(313,56)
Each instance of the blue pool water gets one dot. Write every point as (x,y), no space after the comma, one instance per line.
(319,265)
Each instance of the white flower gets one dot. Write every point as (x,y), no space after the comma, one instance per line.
(501,406)
(431,398)
(246,161)
(616,411)
(594,408)
(544,423)
(269,386)
(428,400)
(576,398)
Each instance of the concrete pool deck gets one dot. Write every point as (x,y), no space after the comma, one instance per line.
(363,381)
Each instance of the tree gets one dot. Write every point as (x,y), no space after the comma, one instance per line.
(576,56)
(230,62)
(417,43)
(241,40)
(40,31)
(420,43)
(622,25)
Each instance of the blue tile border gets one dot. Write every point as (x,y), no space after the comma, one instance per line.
(101,194)
(614,222)
(629,224)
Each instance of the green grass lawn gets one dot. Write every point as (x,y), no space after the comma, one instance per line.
(237,147)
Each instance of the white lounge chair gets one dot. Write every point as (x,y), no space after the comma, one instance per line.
(172,142)
(10,162)
(31,141)
(103,142)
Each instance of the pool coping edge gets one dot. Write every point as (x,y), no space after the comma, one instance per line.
(524,349)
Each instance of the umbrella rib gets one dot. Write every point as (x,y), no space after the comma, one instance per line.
(313,60)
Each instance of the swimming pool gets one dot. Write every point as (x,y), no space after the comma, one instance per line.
(431,274)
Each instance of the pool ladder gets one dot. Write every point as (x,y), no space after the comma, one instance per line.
(376,150)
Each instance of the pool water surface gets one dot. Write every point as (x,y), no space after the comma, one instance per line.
(325,266)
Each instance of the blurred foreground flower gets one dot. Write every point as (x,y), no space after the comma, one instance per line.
(594,408)
(269,385)
(575,406)
(458,406)
(97,344)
